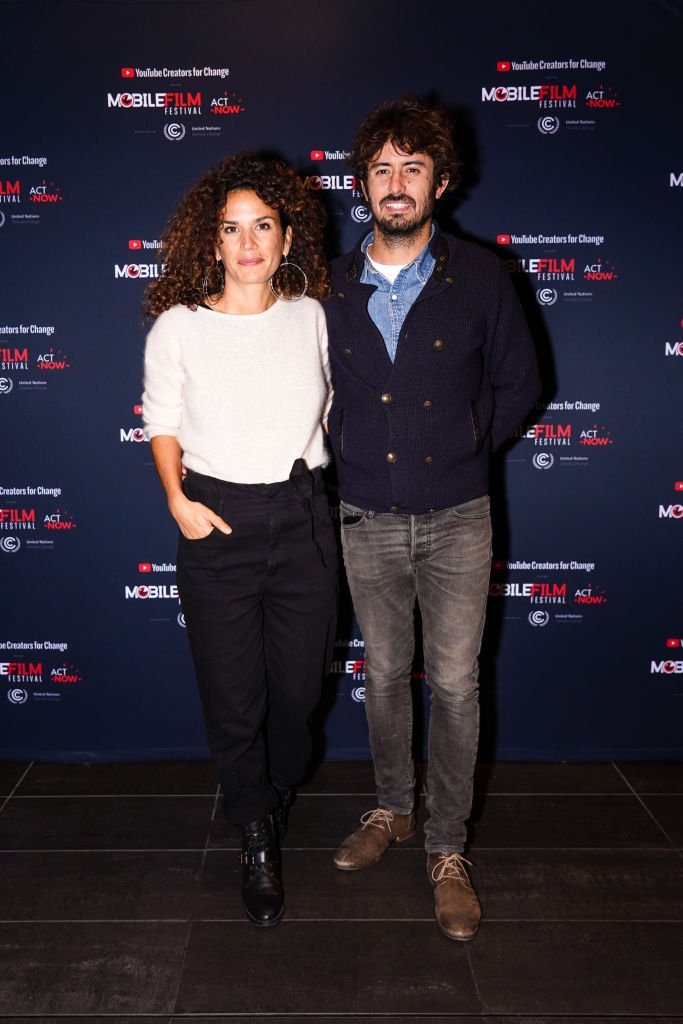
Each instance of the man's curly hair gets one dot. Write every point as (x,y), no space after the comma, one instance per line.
(413,128)
(189,239)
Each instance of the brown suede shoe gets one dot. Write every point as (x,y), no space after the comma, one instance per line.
(378,830)
(456,906)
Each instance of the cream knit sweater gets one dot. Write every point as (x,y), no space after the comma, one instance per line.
(244,395)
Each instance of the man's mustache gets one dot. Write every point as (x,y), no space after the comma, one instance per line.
(397,199)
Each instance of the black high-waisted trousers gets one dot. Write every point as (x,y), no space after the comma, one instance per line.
(260,608)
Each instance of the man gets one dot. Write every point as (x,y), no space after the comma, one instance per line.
(433,368)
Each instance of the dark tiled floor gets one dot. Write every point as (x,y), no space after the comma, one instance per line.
(119,903)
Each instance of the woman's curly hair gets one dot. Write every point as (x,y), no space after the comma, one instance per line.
(189,240)
(414,128)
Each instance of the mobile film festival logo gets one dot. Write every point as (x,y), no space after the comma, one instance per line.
(564,433)
(172,103)
(136,434)
(672,665)
(199,102)
(140,271)
(45,192)
(561,266)
(673,511)
(674,348)
(584,100)
(21,525)
(34,679)
(330,182)
(18,358)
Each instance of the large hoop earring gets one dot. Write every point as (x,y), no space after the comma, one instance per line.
(218,270)
(284,268)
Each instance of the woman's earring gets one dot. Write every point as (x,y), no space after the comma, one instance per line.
(218,270)
(285,269)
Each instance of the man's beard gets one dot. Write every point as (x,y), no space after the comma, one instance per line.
(403,228)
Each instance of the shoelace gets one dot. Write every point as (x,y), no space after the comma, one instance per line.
(452,867)
(380,818)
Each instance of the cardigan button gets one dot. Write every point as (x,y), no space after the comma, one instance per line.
(438,343)
(449,280)
(392,457)
(394,509)
(347,351)
(386,398)
(429,459)
(427,404)
(340,295)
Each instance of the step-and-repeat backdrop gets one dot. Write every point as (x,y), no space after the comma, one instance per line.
(567,121)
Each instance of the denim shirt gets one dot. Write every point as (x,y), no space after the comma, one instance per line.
(389,304)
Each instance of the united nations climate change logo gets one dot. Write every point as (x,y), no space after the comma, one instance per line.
(175,131)
(17,696)
(543,460)
(539,617)
(6,385)
(358,694)
(548,124)
(360,214)
(9,544)
(546,296)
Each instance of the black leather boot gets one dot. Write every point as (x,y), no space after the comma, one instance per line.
(281,813)
(262,893)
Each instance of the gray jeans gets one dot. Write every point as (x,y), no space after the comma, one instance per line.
(442,560)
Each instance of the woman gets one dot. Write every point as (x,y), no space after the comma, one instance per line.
(236,390)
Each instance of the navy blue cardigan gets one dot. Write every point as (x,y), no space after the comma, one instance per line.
(416,435)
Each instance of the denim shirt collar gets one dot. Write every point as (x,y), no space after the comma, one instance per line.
(422,266)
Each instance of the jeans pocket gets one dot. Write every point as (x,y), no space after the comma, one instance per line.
(351,517)
(478,508)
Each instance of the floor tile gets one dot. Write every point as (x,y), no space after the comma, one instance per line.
(396,888)
(74,886)
(10,774)
(579,885)
(90,1019)
(561,968)
(524,1019)
(535,777)
(336,1019)
(128,779)
(91,968)
(565,822)
(367,968)
(340,777)
(314,822)
(105,823)
(668,810)
(657,777)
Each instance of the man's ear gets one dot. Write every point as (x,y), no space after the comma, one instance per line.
(442,187)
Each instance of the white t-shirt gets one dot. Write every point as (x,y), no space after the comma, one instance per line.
(244,395)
